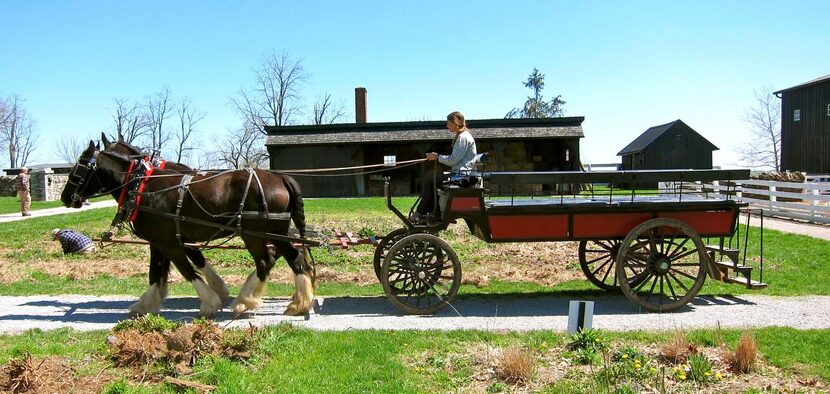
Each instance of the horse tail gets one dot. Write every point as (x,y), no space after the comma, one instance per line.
(295,204)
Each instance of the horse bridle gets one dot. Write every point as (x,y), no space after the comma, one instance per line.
(81,175)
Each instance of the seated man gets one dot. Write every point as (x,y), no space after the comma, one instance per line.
(73,241)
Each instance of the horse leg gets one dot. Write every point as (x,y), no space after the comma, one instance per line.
(211,277)
(303,296)
(150,301)
(210,300)
(250,297)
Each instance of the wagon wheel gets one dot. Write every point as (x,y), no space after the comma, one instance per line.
(420,274)
(384,245)
(597,258)
(670,261)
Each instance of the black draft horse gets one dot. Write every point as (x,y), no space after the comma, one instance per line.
(210,198)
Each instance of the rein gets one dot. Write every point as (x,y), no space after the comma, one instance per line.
(313,171)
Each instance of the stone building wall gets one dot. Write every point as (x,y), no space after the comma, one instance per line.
(7,186)
(44,185)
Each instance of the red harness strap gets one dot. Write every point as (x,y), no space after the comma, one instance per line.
(140,189)
(124,189)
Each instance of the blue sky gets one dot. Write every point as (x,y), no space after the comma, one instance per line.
(624,66)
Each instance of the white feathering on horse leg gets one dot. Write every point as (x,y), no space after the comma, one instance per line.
(210,301)
(303,296)
(249,297)
(150,301)
(215,282)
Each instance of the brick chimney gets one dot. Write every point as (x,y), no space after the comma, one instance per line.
(360,105)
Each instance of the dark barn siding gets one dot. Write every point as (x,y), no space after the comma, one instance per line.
(805,145)
(677,146)
(300,157)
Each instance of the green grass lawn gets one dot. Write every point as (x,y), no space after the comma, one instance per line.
(305,361)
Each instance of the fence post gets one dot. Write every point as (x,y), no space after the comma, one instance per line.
(772,199)
(814,211)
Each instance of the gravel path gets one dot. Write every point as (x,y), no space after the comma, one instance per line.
(613,313)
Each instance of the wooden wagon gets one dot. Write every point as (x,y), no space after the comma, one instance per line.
(648,245)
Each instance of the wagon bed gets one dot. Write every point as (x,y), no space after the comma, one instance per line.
(648,246)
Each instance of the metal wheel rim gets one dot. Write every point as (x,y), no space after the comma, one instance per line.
(421,274)
(672,262)
(383,248)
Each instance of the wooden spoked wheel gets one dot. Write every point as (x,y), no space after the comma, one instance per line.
(384,245)
(598,259)
(420,274)
(669,263)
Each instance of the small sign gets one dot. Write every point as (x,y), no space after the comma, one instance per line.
(580,316)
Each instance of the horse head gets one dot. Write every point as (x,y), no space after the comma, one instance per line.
(94,171)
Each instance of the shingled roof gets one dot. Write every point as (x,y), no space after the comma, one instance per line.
(805,84)
(482,129)
(650,135)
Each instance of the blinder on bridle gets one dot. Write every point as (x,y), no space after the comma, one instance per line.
(81,175)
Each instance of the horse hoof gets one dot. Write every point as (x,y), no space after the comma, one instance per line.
(292,311)
(238,309)
(139,309)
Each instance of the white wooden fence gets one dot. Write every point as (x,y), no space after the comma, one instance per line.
(812,205)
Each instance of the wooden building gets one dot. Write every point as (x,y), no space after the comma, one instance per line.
(805,126)
(513,145)
(672,145)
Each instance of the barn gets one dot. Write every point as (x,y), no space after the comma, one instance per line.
(512,145)
(673,145)
(805,126)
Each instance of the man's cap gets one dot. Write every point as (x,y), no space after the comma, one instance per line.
(56,231)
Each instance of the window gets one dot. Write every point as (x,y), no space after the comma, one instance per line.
(389,160)
(796,115)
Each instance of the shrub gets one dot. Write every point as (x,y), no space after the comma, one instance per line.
(700,368)
(586,339)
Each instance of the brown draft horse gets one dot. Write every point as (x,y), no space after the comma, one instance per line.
(219,198)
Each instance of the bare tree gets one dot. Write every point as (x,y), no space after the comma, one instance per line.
(188,118)
(243,148)
(130,122)
(69,147)
(17,129)
(158,108)
(326,111)
(763,149)
(275,99)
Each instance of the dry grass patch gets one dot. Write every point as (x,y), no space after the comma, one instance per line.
(677,349)
(745,356)
(48,375)
(515,365)
(151,341)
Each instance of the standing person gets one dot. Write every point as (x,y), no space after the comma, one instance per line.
(73,241)
(460,161)
(22,186)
